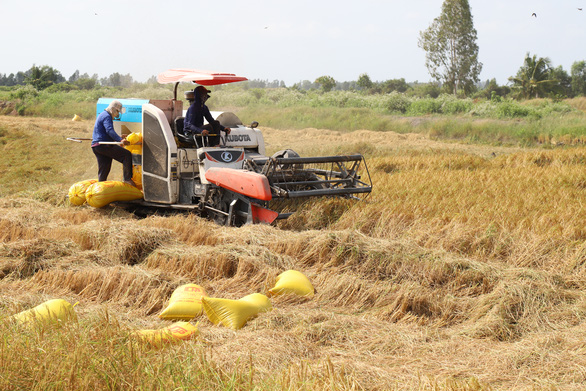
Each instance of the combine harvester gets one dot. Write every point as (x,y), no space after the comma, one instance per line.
(235,183)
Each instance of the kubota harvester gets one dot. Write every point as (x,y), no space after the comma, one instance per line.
(235,183)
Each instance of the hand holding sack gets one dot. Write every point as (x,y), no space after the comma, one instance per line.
(135,140)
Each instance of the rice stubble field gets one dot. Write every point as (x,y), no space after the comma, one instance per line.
(464,269)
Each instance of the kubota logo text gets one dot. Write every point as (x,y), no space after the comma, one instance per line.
(238,137)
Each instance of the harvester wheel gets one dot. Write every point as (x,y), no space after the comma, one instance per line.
(219,202)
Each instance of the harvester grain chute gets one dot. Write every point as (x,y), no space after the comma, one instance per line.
(235,183)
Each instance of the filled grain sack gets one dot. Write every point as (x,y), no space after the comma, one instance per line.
(235,313)
(102,193)
(292,281)
(177,332)
(137,176)
(135,140)
(77,191)
(185,303)
(52,311)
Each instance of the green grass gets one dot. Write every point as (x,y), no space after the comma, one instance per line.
(499,121)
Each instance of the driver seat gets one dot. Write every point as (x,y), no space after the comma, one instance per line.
(185,141)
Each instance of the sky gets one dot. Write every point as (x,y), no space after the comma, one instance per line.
(277,39)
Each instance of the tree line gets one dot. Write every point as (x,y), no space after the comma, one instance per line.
(535,78)
(45,76)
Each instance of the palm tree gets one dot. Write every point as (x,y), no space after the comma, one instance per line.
(534,78)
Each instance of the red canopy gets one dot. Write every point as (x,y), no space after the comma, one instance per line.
(205,78)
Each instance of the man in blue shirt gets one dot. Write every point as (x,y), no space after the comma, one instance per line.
(105,153)
(193,123)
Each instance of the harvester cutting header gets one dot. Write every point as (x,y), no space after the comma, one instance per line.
(234,183)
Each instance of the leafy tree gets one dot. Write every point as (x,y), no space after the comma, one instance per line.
(257,83)
(85,83)
(19,78)
(75,77)
(117,80)
(451,49)
(492,89)
(423,90)
(327,83)
(305,85)
(534,78)
(274,84)
(364,81)
(391,85)
(43,77)
(7,80)
(564,82)
(579,78)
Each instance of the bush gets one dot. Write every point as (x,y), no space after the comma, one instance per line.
(510,109)
(452,105)
(424,106)
(485,109)
(397,102)
(24,93)
(61,87)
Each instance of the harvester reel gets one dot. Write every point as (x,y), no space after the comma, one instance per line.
(287,153)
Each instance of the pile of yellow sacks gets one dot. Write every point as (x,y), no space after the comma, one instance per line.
(186,303)
(99,194)
(190,300)
(59,311)
(135,140)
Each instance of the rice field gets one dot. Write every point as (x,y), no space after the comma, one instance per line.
(465,269)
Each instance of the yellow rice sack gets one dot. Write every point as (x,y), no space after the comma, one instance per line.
(52,311)
(179,331)
(102,193)
(77,191)
(292,281)
(185,303)
(137,176)
(235,313)
(135,140)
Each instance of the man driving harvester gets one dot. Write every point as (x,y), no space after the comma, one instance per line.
(193,123)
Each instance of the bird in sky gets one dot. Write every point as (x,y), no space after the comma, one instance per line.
(534,14)
(579,9)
